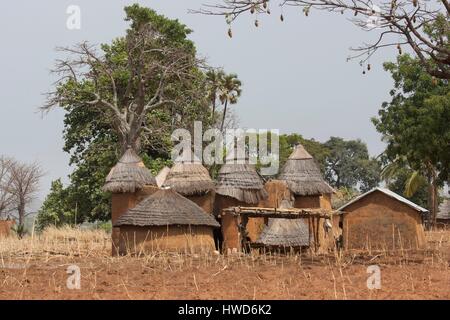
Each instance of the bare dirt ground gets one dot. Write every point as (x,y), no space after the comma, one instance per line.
(36,268)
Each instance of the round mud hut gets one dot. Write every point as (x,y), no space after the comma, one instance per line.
(129,181)
(166,221)
(304,179)
(238,184)
(192,180)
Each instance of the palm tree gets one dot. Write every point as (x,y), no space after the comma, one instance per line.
(214,80)
(229,93)
(415,180)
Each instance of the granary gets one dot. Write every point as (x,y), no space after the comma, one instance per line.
(192,180)
(284,233)
(382,220)
(290,228)
(166,221)
(129,181)
(304,179)
(301,182)
(238,184)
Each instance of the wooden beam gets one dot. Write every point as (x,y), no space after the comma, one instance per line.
(291,213)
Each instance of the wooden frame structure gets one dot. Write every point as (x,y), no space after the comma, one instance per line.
(313,215)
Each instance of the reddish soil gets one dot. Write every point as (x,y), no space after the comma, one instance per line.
(424,275)
(281,278)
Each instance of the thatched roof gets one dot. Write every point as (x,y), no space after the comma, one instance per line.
(444,210)
(189,178)
(166,207)
(240,181)
(128,175)
(302,174)
(285,233)
(162,175)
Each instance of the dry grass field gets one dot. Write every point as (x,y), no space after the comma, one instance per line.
(36,268)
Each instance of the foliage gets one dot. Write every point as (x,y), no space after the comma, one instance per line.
(94,134)
(398,182)
(415,123)
(348,165)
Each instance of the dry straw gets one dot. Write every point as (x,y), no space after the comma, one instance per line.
(164,208)
(189,179)
(239,180)
(303,175)
(128,175)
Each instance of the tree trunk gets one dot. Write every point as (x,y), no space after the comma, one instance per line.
(432,195)
(213,107)
(21,212)
(224,114)
(132,141)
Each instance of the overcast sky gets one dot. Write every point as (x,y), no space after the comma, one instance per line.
(294,73)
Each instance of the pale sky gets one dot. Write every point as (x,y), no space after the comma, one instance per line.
(294,73)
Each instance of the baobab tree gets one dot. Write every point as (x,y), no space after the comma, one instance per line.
(421,25)
(148,69)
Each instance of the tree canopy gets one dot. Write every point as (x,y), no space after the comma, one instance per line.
(415,122)
(133,91)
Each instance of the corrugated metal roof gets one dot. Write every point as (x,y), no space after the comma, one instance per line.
(388,193)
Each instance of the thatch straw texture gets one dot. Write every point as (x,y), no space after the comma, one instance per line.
(285,232)
(165,208)
(189,179)
(240,181)
(128,175)
(302,174)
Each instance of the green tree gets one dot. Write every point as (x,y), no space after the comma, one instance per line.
(214,81)
(230,91)
(56,209)
(348,165)
(135,92)
(315,148)
(399,182)
(415,122)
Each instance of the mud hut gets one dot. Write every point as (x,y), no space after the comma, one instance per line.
(382,220)
(238,184)
(192,180)
(166,221)
(129,181)
(304,179)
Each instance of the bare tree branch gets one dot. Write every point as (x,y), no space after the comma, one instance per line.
(406,20)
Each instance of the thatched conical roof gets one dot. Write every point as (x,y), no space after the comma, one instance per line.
(285,232)
(302,174)
(239,180)
(166,207)
(128,175)
(189,178)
